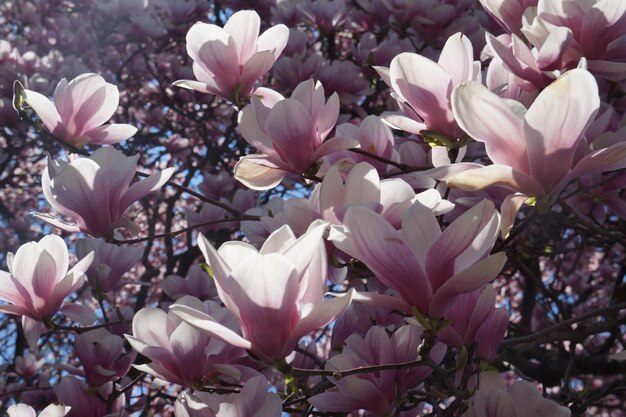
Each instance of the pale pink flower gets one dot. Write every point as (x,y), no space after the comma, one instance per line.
(228,61)
(533,150)
(429,268)
(38,281)
(80,108)
(254,400)
(96,191)
(522,399)
(179,352)
(526,65)
(390,197)
(423,88)
(277,293)
(23,410)
(289,133)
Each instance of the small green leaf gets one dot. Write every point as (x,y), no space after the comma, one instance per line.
(531,201)
(207,268)
(437,139)
(19,98)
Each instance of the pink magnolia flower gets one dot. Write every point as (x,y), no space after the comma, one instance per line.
(423,88)
(533,150)
(345,79)
(277,293)
(95,192)
(110,263)
(289,133)
(179,352)
(600,197)
(521,399)
(476,320)
(86,401)
(508,13)
(429,268)
(23,410)
(390,197)
(102,356)
(38,281)
(254,400)
(29,365)
(290,71)
(376,392)
(373,135)
(523,65)
(79,110)
(197,284)
(229,61)
(570,30)
(327,15)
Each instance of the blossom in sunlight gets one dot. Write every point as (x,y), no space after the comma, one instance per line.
(423,87)
(289,133)
(277,293)
(38,281)
(80,108)
(228,61)
(534,151)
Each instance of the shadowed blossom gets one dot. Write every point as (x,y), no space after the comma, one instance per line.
(96,191)
(253,400)
(429,268)
(179,352)
(376,392)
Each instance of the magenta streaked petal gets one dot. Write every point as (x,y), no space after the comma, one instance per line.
(471,278)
